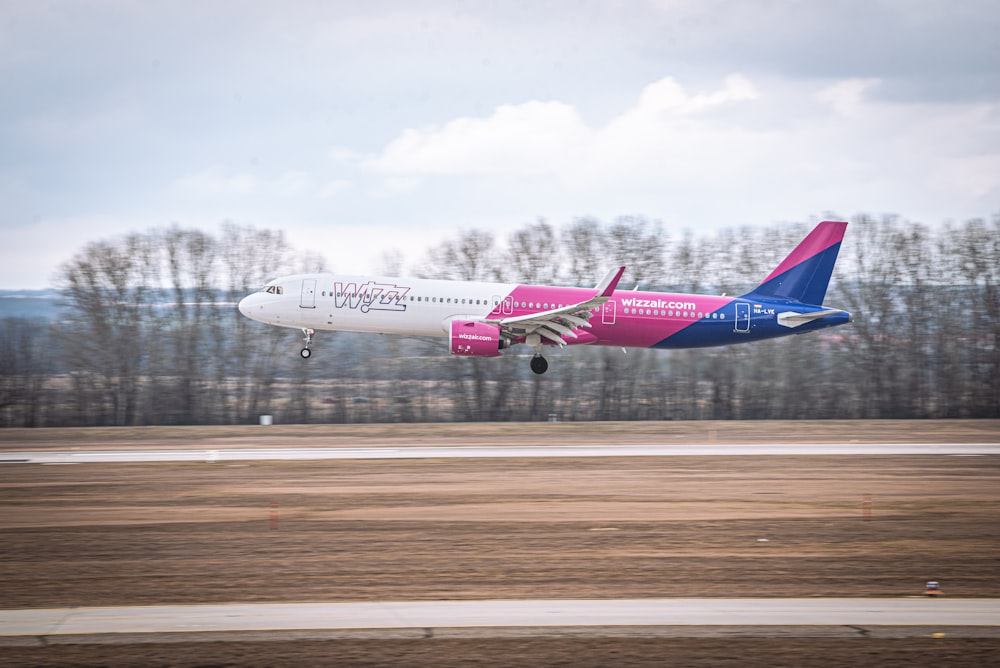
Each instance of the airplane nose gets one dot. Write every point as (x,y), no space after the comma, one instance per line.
(244,306)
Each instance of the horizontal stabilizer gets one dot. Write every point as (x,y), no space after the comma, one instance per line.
(793,319)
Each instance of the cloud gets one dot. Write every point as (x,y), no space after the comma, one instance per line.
(551,138)
(847,97)
(333,188)
(292,184)
(668,96)
(216,181)
(529,138)
(454,114)
(803,146)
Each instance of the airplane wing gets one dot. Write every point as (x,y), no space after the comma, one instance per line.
(557,323)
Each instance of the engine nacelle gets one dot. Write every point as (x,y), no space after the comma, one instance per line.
(476,339)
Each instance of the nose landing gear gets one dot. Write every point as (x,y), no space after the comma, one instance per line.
(306,352)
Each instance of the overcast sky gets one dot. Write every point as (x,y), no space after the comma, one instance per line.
(363,127)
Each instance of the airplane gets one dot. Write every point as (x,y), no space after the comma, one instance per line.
(482,319)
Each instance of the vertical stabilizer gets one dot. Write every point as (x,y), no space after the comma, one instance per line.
(804,275)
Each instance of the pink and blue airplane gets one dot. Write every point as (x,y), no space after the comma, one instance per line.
(482,319)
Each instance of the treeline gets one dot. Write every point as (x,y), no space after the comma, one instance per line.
(151,334)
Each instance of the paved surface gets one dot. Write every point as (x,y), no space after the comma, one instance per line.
(486,452)
(503,613)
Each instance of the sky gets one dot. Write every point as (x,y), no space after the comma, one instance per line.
(361,128)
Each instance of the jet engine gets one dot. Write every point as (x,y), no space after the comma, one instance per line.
(470,338)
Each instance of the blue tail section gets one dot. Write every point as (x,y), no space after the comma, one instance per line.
(804,275)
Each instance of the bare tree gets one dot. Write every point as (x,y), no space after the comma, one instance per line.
(100,285)
(250,258)
(152,335)
(970,347)
(532,255)
(24,368)
(470,257)
(583,246)
(641,245)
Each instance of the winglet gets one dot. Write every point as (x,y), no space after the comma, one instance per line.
(609,282)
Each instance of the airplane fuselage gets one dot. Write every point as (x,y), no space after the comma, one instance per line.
(482,319)
(423,307)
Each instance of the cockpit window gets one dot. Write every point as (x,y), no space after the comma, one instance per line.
(274,290)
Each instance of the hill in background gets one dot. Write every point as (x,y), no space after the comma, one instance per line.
(45,304)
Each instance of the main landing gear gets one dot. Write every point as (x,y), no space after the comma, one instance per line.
(539,365)
(306,352)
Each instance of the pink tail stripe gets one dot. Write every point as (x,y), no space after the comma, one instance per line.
(826,234)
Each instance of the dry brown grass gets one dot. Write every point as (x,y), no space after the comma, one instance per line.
(132,534)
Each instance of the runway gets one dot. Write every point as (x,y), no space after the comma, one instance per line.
(237,454)
(502,613)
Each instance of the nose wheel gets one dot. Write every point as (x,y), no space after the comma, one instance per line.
(306,352)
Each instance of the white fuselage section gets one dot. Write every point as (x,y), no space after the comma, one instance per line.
(414,306)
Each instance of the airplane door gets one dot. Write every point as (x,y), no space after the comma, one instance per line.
(308,293)
(742,318)
(504,305)
(608,312)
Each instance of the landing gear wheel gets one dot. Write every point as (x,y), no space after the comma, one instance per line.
(306,352)
(539,365)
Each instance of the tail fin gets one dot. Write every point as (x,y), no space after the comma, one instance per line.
(803,276)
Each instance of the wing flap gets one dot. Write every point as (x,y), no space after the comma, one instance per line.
(546,333)
(556,323)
